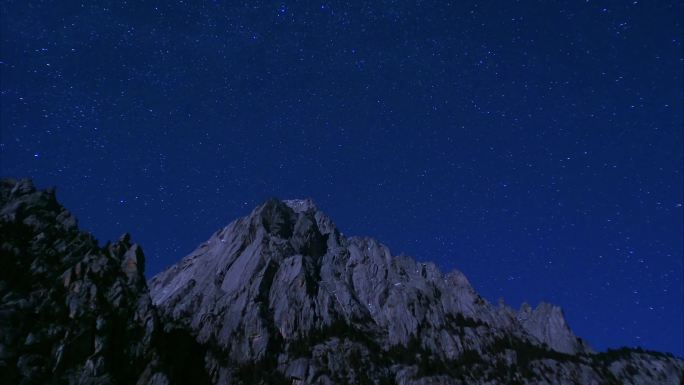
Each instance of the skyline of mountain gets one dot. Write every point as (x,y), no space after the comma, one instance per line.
(279,295)
(535,146)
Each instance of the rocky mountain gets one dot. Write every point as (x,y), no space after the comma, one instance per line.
(279,296)
(72,312)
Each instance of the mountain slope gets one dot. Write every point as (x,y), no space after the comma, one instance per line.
(279,296)
(285,289)
(67,304)
(72,312)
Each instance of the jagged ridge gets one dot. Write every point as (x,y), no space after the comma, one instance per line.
(284,287)
(279,296)
(72,312)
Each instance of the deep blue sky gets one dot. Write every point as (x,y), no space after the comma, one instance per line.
(534,145)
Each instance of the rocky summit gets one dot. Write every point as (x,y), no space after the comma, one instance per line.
(280,296)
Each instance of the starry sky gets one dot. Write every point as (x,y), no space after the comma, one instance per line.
(534,145)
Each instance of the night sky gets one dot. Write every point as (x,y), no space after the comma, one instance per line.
(536,147)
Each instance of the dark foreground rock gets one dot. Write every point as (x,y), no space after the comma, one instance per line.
(279,296)
(72,312)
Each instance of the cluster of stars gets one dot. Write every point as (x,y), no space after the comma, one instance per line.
(535,147)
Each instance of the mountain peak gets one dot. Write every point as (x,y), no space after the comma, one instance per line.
(284,283)
(288,256)
(284,217)
(547,323)
(301,205)
(278,296)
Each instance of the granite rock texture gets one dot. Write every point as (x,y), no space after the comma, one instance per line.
(282,287)
(277,297)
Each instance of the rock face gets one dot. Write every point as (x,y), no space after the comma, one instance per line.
(72,312)
(547,324)
(67,305)
(284,292)
(279,296)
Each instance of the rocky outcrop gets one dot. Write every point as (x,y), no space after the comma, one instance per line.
(547,324)
(283,289)
(279,296)
(71,312)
